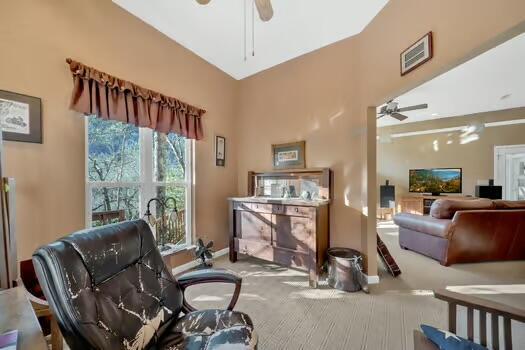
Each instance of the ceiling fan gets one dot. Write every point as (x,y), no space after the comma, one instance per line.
(392,109)
(264,7)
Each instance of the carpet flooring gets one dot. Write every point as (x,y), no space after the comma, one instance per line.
(288,314)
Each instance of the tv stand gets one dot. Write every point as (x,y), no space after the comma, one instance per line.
(420,204)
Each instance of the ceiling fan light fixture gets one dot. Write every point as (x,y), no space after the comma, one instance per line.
(265,9)
(203,2)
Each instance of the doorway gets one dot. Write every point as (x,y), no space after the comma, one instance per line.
(509,171)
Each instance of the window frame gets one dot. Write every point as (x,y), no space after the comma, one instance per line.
(146,183)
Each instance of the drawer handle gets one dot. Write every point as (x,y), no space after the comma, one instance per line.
(296,210)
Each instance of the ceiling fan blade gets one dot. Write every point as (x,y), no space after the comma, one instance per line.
(413,108)
(265,9)
(203,2)
(383,110)
(399,116)
(381,116)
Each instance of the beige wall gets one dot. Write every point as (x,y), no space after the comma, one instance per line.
(323,97)
(476,158)
(36,36)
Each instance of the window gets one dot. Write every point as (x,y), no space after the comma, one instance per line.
(126,166)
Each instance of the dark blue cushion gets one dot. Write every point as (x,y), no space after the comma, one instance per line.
(449,341)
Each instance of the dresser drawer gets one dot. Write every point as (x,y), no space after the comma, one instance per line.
(257,207)
(291,258)
(264,251)
(293,232)
(253,225)
(260,207)
(299,211)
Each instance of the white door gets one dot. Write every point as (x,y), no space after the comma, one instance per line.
(509,168)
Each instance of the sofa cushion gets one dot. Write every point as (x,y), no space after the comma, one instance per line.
(502,204)
(446,208)
(425,224)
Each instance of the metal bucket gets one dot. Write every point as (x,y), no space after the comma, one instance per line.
(345,269)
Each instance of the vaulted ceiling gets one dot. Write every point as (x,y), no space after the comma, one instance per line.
(216,32)
(491,81)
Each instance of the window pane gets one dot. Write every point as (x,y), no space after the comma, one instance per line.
(106,204)
(169,152)
(114,152)
(177,235)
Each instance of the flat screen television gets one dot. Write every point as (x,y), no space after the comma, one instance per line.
(435,180)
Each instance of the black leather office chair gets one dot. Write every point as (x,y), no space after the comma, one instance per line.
(110,289)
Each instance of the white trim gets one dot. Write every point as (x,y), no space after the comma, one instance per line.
(499,167)
(427,132)
(372,279)
(456,128)
(221,252)
(194,263)
(87,201)
(505,122)
(185,267)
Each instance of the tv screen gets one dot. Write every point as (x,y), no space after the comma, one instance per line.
(442,180)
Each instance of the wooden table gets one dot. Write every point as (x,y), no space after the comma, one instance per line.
(16,313)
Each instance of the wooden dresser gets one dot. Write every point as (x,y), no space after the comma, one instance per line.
(288,231)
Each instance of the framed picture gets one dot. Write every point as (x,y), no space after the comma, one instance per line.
(220,151)
(20,117)
(289,155)
(417,54)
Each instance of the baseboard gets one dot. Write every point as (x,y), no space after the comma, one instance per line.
(194,263)
(221,252)
(372,279)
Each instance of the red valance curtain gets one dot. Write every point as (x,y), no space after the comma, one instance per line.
(98,93)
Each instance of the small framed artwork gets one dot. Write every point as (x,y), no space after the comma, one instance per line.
(20,117)
(417,54)
(220,151)
(289,155)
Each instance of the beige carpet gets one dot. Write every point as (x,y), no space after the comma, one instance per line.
(290,315)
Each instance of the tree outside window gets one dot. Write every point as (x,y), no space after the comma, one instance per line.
(127,166)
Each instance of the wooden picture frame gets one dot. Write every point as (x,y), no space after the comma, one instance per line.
(220,151)
(428,53)
(20,117)
(289,155)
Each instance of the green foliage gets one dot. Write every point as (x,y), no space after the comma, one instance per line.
(114,156)
(429,181)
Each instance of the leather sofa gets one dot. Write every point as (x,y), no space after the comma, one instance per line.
(109,288)
(466,231)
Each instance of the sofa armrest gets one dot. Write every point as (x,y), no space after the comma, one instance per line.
(486,235)
(424,223)
(209,276)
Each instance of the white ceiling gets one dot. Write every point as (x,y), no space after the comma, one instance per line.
(215,32)
(473,87)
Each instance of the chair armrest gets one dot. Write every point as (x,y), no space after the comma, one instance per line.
(40,306)
(209,276)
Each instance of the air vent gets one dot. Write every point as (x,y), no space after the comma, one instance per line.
(417,54)
(414,56)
